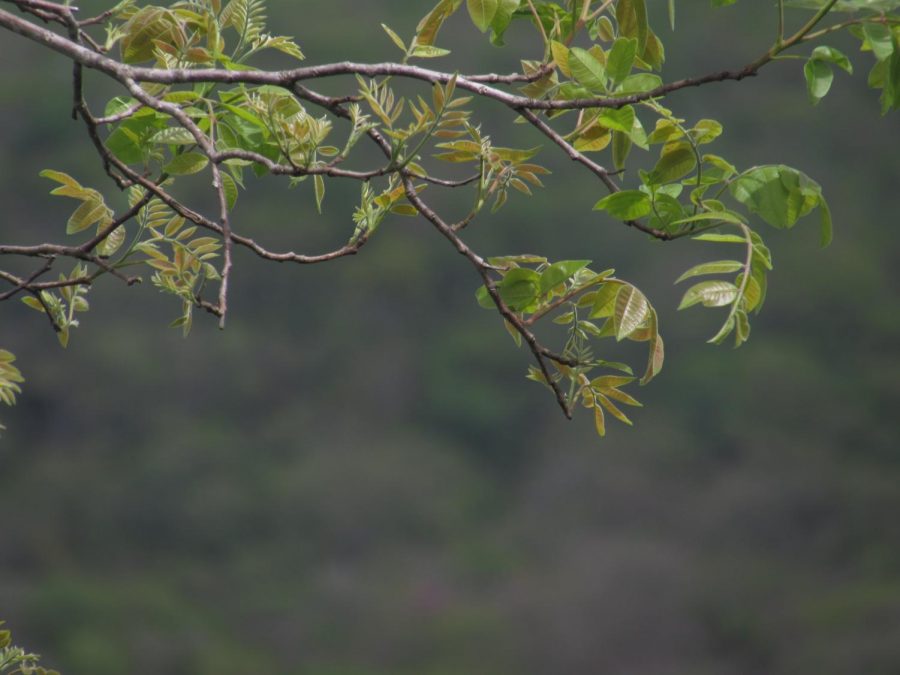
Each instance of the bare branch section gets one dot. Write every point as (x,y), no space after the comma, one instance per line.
(202,108)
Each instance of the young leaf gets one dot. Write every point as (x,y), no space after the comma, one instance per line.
(710,293)
(587,70)
(632,310)
(676,161)
(559,272)
(621,59)
(394,37)
(718,267)
(832,55)
(625,205)
(819,77)
(430,25)
(482,12)
(519,288)
(319,183)
(186,163)
(599,420)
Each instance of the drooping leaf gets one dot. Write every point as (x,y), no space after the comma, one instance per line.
(880,39)
(832,55)
(631,15)
(430,25)
(710,294)
(482,12)
(622,145)
(819,77)
(319,183)
(717,267)
(778,194)
(631,311)
(505,11)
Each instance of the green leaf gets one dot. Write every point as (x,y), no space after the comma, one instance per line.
(632,310)
(819,77)
(427,30)
(625,205)
(890,97)
(587,70)
(113,241)
(599,421)
(676,161)
(827,230)
(721,238)
(125,145)
(231,190)
(560,53)
(319,184)
(86,215)
(724,216)
(656,358)
(396,39)
(429,51)
(405,210)
(186,163)
(621,59)
(33,302)
(880,39)
(778,194)
(621,148)
(145,29)
(832,55)
(618,119)
(613,410)
(502,19)
(724,331)
(482,12)
(631,15)
(484,298)
(519,288)
(706,131)
(604,301)
(710,294)
(560,272)
(717,267)
(640,83)
(75,188)
(173,136)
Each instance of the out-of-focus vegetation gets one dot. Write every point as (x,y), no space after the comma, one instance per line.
(344,482)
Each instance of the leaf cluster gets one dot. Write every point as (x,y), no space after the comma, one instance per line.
(15,660)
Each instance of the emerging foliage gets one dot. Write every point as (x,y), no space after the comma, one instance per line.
(193,104)
(15,660)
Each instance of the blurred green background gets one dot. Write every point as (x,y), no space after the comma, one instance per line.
(355,478)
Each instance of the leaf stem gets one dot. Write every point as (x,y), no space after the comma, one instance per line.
(537,19)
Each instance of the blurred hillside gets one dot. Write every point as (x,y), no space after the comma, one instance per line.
(355,478)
